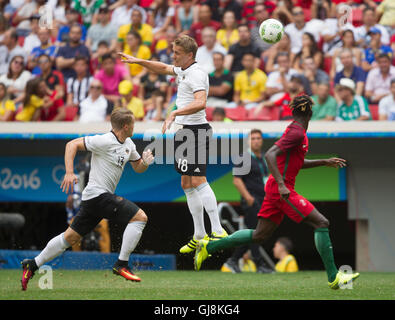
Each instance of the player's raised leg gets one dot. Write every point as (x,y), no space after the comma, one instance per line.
(55,247)
(263,231)
(130,239)
(324,247)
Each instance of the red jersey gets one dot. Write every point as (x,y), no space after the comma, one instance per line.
(294,144)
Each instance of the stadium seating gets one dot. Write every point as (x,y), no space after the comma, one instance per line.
(70,113)
(237,114)
(356,17)
(266,114)
(374,111)
(209,113)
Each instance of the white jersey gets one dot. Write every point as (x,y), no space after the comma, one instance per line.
(189,81)
(109,157)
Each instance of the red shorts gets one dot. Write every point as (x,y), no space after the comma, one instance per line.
(295,207)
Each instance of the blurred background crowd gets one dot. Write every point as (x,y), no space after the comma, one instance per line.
(58,58)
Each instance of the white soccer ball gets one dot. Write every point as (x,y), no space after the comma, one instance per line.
(271,31)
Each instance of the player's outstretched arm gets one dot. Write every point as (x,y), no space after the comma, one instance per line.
(146,159)
(71,150)
(331,162)
(271,160)
(154,66)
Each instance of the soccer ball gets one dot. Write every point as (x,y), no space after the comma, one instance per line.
(271,31)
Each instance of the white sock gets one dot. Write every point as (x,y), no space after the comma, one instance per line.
(55,247)
(130,239)
(209,201)
(196,209)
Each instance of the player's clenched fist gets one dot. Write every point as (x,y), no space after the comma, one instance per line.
(147,157)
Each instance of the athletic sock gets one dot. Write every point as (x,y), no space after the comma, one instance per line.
(130,239)
(196,209)
(209,201)
(235,239)
(324,248)
(55,247)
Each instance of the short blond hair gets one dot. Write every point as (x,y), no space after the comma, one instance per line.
(187,43)
(120,117)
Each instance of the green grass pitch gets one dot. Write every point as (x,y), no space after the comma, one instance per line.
(190,285)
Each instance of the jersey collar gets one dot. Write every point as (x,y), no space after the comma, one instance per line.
(116,137)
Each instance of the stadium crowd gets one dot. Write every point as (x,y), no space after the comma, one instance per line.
(58,58)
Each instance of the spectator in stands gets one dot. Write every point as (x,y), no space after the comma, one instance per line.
(282,251)
(88,10)
(282,101)
(36,96)
(233,60)
(313,74)
(96,59)
(219,115)
(153,91)
(228,34)
(32,40)
(136,48)
(122,15)
(297,28)
(205,20)
(204,54)
(322,9)
(72,17)
(348,42)
(332,31)
(59,14)
(110,75)
(220,92)
(278,80)
(283,46)
(144,29)
(7,106)
(165,50)
(379,79)
(386,14)
(324,107)
(351,71)
(129,101)
(283,12)
(350,106)
(219,7)
(186,15)
(95,108)
(16,78)
(369,21)
(21,19)
(249,84)
(260,15)
(387,105)
(103,30)
(66,56)
(161,16)
(78,86)
(375,48)
(45,47)
(3,27)
(53,78)
(9,49)
(309,49)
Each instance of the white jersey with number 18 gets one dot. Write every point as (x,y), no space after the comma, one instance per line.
(189,81)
